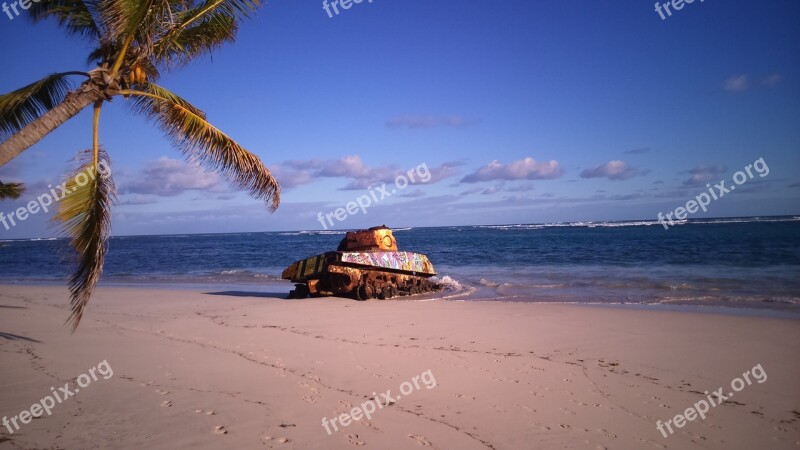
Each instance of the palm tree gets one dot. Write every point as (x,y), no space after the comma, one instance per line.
(135,40)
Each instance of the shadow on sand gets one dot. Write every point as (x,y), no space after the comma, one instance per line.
(276,295)
(14,337)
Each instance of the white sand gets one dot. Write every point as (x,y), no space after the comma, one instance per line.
(508,376)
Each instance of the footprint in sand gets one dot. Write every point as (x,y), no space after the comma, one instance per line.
(308,386)
(162,392)
(219,429)
(166,403)
(354,440)
(607,433)
(313,396)
(420,440)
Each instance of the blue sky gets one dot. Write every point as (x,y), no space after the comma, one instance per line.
(524,111)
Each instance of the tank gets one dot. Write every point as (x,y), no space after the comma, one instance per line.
(367,264)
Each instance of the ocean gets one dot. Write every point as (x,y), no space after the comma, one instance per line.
(741,262)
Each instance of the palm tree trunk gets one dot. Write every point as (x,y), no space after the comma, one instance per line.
(32,133)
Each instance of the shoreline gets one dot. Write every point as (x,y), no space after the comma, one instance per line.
(281,289)
(508,375)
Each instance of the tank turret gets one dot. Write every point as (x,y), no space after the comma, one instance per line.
(375,239)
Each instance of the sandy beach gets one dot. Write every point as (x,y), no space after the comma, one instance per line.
(251,370)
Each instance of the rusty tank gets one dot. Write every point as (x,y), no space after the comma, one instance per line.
(366,265)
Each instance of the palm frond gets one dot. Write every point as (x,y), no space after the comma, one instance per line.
(200,29)
(11,190)
(122,17)
(85,217)
(76,16)
(183,45)
(233,8)
(23,106)
(202,142)
(104,52)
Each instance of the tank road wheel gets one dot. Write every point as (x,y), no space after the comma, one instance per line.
(360,292)
(299,291)
(389,291)
(365,292)
(368,287)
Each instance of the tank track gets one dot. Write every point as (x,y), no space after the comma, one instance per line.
(364,285)
(387,285)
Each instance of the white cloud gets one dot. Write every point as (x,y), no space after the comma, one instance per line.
(703,174)
(492,189)
(741,83)
(524,169)
(350,167)
(167,177)
(738,83)
(290,177)
(470,191)
(500,187)
(613,170)
(299,172)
